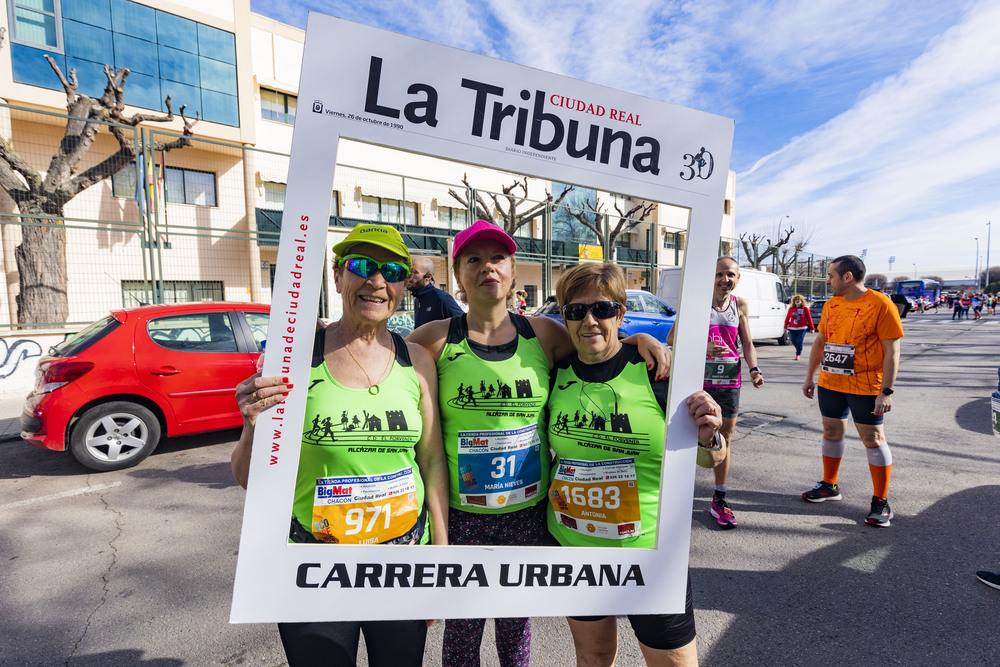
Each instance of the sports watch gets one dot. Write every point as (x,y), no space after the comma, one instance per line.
(887,391)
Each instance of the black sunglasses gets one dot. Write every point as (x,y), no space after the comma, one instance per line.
(602,310)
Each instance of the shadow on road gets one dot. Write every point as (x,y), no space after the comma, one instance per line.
(975,416)
(905,595)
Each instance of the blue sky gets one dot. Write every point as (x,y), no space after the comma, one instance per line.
(871,125)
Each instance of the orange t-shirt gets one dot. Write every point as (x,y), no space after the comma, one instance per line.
(863,323)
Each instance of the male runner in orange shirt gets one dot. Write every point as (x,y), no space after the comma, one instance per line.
(857,352)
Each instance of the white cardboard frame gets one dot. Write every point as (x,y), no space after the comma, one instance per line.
(277,581)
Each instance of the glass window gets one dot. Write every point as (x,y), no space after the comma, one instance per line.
(180,66)
(274,196)
(220,77)
(216,44)
(133,19)
(258,326)
(219,107)
(140,292)
(36,22)
(142,90)
(194,332)
(87,42)
(176,32)
(384,209)
(123,182)
(181,93)
(93,12)
(277,106)
(90,76)
(139,56)
(452,217)
(31,68)
(187,186)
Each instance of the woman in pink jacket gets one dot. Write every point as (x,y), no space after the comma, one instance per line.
(797,321)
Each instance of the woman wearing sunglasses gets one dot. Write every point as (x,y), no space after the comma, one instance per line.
(493,378)
(604,401)
(366,386)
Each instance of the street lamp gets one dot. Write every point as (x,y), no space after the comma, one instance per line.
(914,271)
(976,274)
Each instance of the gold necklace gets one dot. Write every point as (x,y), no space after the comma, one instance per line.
(373,386)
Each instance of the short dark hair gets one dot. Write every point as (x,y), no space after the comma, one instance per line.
(850,263)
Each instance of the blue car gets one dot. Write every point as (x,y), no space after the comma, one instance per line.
(645,313)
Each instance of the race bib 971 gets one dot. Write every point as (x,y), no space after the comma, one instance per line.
(365,509)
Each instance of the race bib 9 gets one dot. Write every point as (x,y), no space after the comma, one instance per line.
(722,370)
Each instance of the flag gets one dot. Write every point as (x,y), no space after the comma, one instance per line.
(140,180)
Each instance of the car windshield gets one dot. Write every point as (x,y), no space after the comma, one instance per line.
(548,307)
(80,341)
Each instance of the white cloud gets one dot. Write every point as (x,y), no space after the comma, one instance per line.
(908,169)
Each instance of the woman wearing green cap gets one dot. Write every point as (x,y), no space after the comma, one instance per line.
(493,378)
(366,385)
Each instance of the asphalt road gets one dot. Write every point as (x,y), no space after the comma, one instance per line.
(136,567)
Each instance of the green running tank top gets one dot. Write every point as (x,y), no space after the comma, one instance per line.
(492,399)
(358,482)
(606,428)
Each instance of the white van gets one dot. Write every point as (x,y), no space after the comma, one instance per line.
(762,291)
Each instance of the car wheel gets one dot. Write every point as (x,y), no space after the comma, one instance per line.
(785,339)
(115,435)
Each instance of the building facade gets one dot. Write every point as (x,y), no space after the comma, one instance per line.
(201,222)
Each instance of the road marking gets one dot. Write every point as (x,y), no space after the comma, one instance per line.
(56,496)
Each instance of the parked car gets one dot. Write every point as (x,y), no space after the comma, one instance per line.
(816,309)
(645,313)
(111,391)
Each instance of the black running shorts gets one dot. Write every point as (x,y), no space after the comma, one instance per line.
(836,405)
(663,632)
(728,398)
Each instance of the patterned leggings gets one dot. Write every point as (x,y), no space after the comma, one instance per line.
(463,636)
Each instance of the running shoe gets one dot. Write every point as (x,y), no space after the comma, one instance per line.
(991,579)
(880,514)
(722,513)
(822,491)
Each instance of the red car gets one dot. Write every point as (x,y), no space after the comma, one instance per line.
(110,392)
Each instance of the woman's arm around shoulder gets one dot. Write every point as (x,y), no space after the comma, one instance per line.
(430,456)
(431,337)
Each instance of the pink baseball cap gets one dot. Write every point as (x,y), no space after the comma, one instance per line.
(481,231)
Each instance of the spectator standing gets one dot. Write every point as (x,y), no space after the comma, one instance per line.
(798,320)
(431,303)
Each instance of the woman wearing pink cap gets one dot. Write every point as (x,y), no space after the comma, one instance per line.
(493,384)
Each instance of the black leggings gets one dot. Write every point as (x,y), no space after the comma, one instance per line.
(335,643)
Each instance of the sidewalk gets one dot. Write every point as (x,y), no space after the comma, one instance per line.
(10,418)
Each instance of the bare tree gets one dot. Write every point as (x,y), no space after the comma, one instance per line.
(878,280)
(759,247)
(510,207)
(787,253)
(937,278)
(41,256)
(598,218)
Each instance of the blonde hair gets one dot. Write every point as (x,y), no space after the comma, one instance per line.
(799,297)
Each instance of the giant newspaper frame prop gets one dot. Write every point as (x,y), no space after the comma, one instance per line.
(374,86)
